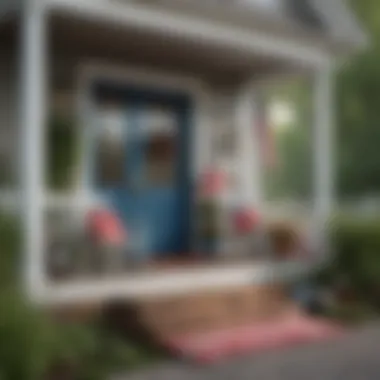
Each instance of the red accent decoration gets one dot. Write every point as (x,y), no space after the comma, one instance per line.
(212,182)
(246,220)
(257,337)
(106,227)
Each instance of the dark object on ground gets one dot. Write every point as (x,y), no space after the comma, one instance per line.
(312,299)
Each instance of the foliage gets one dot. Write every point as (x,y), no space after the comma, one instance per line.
(352,314)
(10,245)
(291,177)
(357,94)
(34,345)
(31,342)
(355,264)
(358,113)
(62,146)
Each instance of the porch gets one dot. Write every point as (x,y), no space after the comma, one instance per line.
(222,77)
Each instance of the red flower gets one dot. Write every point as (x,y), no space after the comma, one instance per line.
(246,220)
(106,227)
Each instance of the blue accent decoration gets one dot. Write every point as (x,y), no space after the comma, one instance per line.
(157,218)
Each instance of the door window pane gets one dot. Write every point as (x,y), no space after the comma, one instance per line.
(159,126)
(160,159)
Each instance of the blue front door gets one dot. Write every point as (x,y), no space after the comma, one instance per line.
(144,137)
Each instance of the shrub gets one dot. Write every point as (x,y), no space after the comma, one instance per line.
(62,137)
(28,339)
(10,245)
(355,262)
(35,346)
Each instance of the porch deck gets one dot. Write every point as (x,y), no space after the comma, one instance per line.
(223,68)
(170,278)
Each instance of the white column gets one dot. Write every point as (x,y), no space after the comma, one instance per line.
(322,150)
(249,166)
(33,117)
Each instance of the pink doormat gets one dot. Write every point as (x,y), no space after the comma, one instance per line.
(287,332)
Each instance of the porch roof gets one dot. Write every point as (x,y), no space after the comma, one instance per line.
(306,32)
(223,30)
(332,22)
(76,42)
(342,25)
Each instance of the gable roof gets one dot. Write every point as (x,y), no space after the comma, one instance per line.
(330,25)
(332,17)
(331,20)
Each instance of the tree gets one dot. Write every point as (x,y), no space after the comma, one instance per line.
(291,177)
(358,111)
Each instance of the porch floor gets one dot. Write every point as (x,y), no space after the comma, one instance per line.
(168,278)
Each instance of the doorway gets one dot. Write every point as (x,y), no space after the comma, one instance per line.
(141,163)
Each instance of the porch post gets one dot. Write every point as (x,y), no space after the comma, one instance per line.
(250,173)
(323,154)
(33,117)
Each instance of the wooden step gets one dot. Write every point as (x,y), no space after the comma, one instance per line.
(204,312)
(161,318)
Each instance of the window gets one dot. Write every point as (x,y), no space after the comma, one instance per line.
(160,159)
(159,126)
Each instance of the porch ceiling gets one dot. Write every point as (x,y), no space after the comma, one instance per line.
(85,40)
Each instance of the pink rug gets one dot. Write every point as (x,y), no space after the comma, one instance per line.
(218,345)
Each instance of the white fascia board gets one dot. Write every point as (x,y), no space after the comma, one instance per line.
(190,27)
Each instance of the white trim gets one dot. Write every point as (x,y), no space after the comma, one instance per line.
(33,119)
(193,28)
(323,159)
(11,200)
(250,160)
(169,283)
